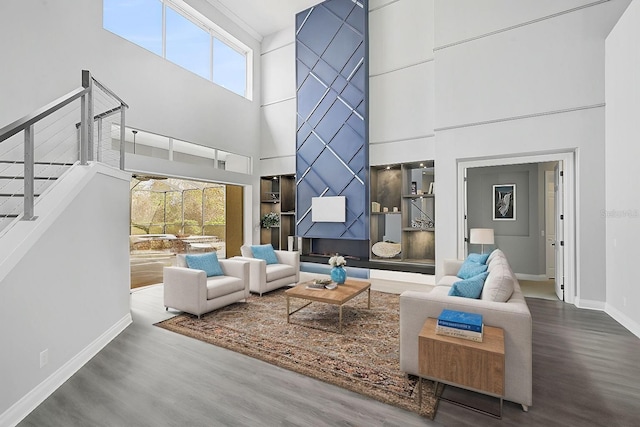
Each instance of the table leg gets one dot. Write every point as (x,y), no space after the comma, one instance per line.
(369,298)
(287,308)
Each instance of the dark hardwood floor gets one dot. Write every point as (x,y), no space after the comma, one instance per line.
(586,371)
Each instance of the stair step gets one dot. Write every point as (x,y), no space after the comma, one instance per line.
(44,178)
(20,162)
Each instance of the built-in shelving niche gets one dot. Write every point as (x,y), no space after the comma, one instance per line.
(403,214)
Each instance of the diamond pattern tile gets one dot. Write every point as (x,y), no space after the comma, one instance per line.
(331,146)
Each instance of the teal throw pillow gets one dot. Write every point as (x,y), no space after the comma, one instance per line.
(470,269)
(207,262)
(265,252)
(479,258)
(469,288)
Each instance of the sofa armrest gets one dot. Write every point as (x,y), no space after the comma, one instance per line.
(512,316)
(185,289)
(450,267)
(237,268)
(291,258)
(257,272)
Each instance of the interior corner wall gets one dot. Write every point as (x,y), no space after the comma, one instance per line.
(519,238)
(622,213)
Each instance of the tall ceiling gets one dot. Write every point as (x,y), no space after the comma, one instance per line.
(262,17)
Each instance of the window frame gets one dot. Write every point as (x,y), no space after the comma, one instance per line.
(214,31)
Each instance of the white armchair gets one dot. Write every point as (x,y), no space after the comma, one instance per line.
(191,291)
(265,277)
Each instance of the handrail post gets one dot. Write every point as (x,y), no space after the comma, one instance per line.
(122,135)
(99,142)
(90,121)
(29,148)
(85,118)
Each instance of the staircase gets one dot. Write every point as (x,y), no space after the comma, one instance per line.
(12,185)
(87,124)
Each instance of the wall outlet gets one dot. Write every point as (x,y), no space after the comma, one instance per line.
(44,357)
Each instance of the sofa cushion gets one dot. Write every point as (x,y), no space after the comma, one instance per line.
(479,258)
(181,261)
(207,262)
(500,282)
(278,271)
(265,252)
(469,288)
(219,286)
(471,269)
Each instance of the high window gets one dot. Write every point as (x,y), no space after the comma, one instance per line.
(182,35)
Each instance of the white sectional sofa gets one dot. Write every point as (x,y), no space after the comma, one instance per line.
(512,316)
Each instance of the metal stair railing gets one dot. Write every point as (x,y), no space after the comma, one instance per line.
(64,142)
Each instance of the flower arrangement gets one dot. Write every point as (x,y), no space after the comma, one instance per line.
(337,261)
(269,220)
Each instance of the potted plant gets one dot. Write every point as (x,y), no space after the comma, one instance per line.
(269,220)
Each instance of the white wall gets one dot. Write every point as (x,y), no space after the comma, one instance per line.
(64,285)
(622,211)
(278,118)
(527,80)
(46,44)
(402,81)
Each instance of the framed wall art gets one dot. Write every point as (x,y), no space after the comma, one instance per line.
(504,202)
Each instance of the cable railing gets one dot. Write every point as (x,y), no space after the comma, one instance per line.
(36,149)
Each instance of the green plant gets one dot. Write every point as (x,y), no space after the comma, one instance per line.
(269,220)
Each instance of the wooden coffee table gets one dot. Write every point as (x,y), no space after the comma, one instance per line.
(338,296)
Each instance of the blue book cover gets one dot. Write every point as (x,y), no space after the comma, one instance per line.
(460,320)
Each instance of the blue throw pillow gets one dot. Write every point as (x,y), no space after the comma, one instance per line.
(471,268)
(479,258)
(207,262)
(469,288)
(265,252)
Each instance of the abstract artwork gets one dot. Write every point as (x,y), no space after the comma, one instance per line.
(504,202)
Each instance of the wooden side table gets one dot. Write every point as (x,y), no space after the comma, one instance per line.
(475,366)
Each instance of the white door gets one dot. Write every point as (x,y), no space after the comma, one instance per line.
(559,239)
(550,223)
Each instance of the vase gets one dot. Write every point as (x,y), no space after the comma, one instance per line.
(338,275)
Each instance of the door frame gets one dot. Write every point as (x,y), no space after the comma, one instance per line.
(568,198)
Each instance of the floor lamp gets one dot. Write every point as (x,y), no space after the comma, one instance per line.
(481,236)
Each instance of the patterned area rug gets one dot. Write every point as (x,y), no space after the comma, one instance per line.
(363,359)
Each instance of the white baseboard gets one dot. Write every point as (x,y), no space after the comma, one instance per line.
(23,407)
(623,319)
(403,276)
(533,277)
(589,304)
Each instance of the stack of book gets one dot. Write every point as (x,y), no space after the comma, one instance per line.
(460,324)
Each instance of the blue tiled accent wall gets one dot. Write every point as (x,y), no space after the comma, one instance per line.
(332,155)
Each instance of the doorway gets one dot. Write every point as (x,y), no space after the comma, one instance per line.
(172,216)
(538,239)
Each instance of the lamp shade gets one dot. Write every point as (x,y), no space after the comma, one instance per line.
(481,236)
